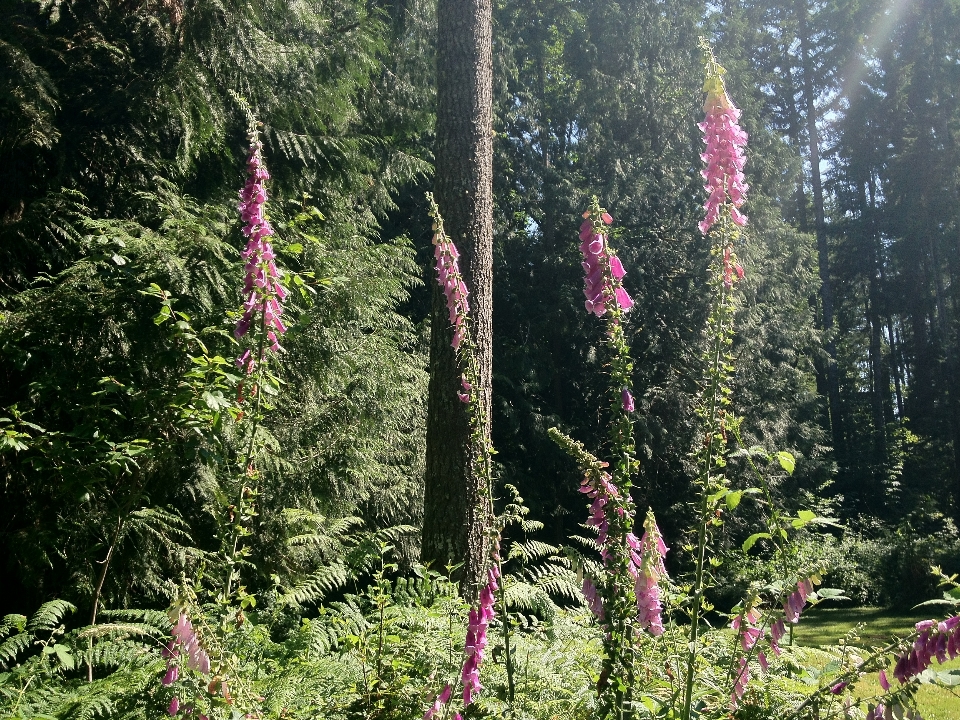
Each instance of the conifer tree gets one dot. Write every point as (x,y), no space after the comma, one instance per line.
(454,516)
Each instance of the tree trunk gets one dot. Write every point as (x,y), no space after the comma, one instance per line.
(880,377)
(455,516)
(823,253)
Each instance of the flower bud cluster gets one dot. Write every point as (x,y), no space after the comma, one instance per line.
(602,269)
(186,644)
(940,641)
(262,292)
(647,569)
(451,281)
(724,155)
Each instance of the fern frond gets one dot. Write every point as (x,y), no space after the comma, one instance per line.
(119,630)
(318,585)
(13,622)
(531,550)
(12,647)
(49,615)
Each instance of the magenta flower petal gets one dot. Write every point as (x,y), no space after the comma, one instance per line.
(261,288)
(171,676)
(616,268)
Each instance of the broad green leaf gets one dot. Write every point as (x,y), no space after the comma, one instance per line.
(63,654)
(751,541)
(950,678)
(716,497)
(831,593)
(787,461)
(733,499)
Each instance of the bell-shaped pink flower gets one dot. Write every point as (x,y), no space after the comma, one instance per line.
(724,157)
(263,294)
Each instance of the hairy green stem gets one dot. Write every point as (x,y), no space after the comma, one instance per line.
(248,457)
(716,369)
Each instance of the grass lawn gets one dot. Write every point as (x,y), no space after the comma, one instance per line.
(822,626)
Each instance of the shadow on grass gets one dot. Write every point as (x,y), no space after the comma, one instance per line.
(826,626)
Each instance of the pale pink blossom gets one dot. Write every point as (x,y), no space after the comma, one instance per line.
(740,682)
(649,572)
(442,699)
(451,282)
(762,659)
(602,270)
(724,158)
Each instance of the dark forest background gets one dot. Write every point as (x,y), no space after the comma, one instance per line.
(122,151)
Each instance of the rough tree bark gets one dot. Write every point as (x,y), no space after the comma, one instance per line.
(454,515)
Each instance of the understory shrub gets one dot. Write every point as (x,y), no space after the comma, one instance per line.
(891,567)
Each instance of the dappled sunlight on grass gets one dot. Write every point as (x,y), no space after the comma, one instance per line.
(876,627)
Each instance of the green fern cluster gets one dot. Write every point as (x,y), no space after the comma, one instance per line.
(44,665)
(120,275)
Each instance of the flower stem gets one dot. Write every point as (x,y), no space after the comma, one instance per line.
(719,322)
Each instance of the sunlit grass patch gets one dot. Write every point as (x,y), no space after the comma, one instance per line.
(821,627)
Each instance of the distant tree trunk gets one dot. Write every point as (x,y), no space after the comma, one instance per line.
(823,252)
(454,517)
(896,364)
(795,134)
(880,385)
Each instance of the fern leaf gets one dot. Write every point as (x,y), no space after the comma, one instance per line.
(49,615)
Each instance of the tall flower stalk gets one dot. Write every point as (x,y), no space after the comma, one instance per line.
(625,595)
(726,191)
(261,321)
(457,300)
(259,326)
(263,295)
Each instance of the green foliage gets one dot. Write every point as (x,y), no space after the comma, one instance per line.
(891,567)
(120,271)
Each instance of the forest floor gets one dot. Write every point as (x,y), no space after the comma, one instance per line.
(874,627)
